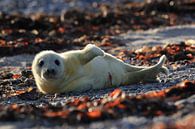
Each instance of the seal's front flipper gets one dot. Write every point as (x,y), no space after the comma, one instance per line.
(90,52)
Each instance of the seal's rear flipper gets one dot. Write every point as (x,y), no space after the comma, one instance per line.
(164,70)
(160,64)
(162,60)
(148,74)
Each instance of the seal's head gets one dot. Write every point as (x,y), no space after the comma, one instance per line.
(48,65)
(48,68)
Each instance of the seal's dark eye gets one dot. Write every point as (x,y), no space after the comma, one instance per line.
(57,62)
(41,63)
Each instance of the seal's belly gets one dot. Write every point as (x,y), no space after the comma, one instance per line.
(105,72)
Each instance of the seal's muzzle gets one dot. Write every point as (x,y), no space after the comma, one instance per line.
(49,73)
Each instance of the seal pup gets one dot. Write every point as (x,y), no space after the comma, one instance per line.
(89,68)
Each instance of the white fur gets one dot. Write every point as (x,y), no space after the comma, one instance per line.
(90,68)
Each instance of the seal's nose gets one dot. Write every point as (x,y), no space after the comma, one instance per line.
(50,71)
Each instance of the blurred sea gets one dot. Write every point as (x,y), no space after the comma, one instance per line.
(52,6)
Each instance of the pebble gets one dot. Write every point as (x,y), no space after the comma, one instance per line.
(26,73)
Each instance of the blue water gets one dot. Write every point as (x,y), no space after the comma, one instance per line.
(50,6)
